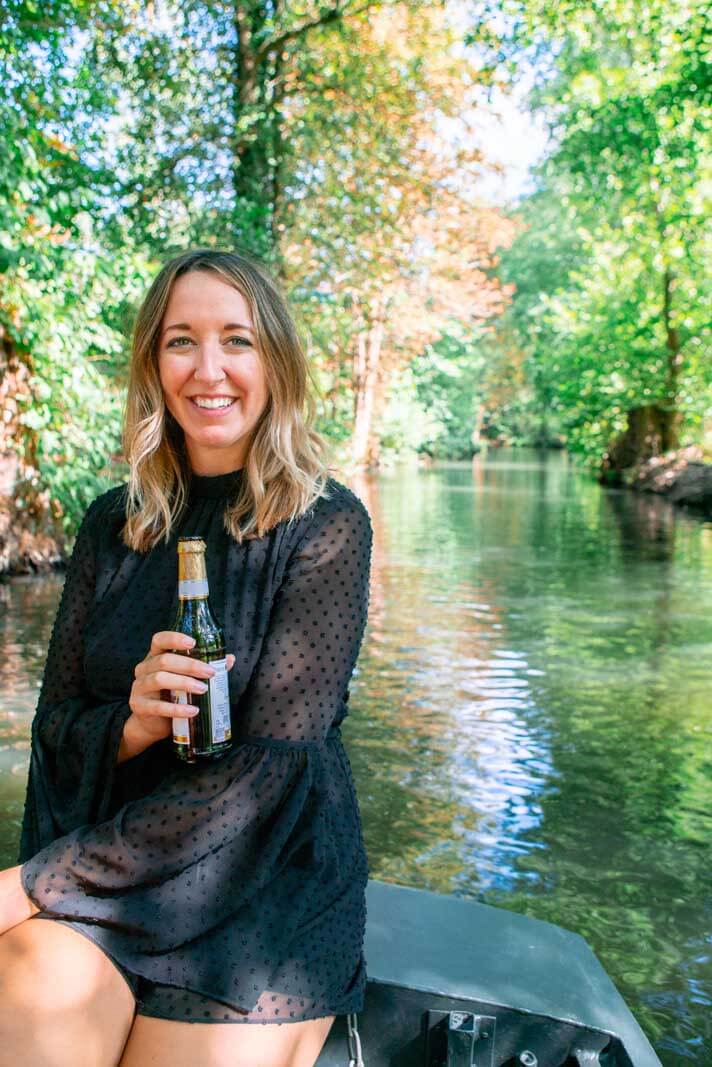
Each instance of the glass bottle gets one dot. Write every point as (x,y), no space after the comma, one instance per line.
(206,735)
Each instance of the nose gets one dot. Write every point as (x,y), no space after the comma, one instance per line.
(209,363)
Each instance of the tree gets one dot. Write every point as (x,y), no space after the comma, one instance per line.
(55,402)
(389,236)
(625,87)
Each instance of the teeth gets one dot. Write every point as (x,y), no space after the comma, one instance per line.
(217,402)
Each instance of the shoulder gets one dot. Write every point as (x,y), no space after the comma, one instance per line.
(104,517)
(110,503)
(336,525)
(340,502)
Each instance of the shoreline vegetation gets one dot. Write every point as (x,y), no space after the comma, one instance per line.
(683,476)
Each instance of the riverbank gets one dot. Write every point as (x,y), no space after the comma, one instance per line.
(683,477)
(29,544)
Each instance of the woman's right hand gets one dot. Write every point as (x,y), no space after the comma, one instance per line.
(159,672)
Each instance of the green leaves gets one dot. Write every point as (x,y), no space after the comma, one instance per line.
(611,315)
(312,142)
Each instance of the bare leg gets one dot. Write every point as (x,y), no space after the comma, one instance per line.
(165,1043)
(62,1001)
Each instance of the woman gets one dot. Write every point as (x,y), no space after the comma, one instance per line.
(185,900)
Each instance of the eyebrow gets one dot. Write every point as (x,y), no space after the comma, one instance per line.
(227,326)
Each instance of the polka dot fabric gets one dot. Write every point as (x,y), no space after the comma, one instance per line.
(229,891)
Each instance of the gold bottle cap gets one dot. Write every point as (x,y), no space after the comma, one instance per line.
(192,574)
(191,544)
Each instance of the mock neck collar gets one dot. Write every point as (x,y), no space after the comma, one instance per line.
(215,485)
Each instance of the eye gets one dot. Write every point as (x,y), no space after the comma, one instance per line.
(178,342)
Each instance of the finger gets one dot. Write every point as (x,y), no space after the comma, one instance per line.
(230,661)
(168,680)
(175,662)
(167,709)
(167,640)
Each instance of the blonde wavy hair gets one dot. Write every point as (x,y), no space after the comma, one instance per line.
(286,469)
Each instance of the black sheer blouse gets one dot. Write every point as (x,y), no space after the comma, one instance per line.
(232,890)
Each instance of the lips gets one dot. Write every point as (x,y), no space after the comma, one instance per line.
(214,410)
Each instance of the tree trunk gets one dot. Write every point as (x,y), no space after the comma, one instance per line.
(31,537)
(671,420)
(276,193)
(369,343)
(643,438)
(251,169)
(476,435)
(259,81)
(653,429)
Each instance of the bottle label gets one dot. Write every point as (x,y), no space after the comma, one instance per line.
(220,701)
(181,734)
(192,587)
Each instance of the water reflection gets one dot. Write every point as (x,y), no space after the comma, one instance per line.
(530,714)
(531,720)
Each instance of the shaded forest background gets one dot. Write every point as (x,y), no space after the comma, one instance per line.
(336,143)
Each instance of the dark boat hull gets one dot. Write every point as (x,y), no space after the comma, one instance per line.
(456,983)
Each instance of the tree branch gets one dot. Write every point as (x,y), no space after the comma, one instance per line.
(332,15)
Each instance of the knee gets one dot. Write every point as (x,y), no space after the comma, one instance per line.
(12,956)
(10,952)
(13,982)
(41,972)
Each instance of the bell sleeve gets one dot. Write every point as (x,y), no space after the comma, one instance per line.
(75,736)
(233,851)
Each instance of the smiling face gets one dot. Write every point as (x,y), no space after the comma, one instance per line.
(210,370)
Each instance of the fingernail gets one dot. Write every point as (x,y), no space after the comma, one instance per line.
(202,687)
(190,641)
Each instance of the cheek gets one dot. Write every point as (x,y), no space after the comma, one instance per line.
(258,382)
(248,378)
(163,370)
(171,373)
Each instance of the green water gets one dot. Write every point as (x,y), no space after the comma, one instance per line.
(531,714)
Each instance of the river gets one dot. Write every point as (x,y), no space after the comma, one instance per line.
(530,714)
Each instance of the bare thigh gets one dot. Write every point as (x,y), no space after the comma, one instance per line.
(165,1043)
(62,1000)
